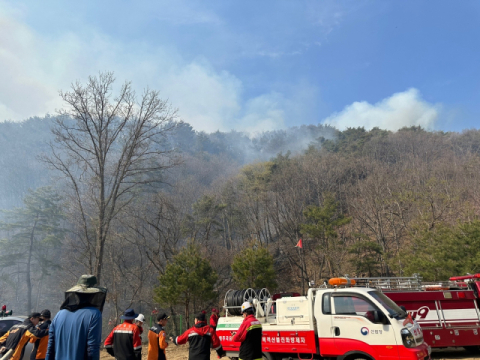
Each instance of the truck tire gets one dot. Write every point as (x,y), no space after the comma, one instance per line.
(357,356)
(268,356)
(472,349)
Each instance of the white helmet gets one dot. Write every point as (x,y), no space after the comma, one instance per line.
(140,317)
(246,305)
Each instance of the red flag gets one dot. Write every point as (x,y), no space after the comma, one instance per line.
(299,244)
(408,319)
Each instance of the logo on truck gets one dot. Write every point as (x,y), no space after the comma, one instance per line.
(364,331)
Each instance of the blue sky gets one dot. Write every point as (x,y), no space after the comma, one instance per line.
(254,65)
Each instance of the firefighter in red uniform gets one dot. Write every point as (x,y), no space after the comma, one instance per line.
(139,320)
(214,318)
(200,337)
(124,341)
(249,334)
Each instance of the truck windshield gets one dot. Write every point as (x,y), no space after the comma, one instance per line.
(393,309)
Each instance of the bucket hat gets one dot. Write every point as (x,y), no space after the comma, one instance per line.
(87,284)
(129,314)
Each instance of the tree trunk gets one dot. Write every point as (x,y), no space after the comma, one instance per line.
(39,291)
(29,261)
(173,316)
(101,233)
(100,249)
(187,313)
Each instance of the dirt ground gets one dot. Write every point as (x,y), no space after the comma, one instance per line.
(181,353)
(173,353)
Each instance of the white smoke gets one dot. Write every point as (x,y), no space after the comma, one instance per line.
(34,67)
(264,113)
(403,109)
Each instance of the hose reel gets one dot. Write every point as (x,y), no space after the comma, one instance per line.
(235,298)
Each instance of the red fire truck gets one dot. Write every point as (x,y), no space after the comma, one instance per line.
(448,312)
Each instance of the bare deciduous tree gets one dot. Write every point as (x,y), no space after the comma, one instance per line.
(107,149)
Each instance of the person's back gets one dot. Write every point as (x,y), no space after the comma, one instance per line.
(214,318)
(202,338)
(75,335)
(76,331)
(124,342)
(251,347)
(249,334)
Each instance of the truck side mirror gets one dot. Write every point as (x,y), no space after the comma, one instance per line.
(414,315)
(380,318)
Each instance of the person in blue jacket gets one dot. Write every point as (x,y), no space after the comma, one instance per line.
(75,332)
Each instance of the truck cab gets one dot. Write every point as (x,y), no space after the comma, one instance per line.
(342,323)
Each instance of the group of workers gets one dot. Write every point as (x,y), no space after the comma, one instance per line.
(34,329)
(75,332)
(124,342)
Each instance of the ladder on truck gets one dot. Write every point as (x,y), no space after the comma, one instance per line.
(412,283)
(391,283)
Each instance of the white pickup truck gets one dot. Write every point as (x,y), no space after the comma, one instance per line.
(344,323)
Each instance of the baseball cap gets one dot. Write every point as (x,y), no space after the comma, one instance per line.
(46,313)
(162,316)
(34,315)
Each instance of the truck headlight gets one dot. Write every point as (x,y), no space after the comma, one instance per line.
(407,338)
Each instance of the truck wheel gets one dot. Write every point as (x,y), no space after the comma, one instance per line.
(268,356)
(472,349)
(358,357)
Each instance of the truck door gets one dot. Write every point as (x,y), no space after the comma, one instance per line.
(359,325)
(323,317)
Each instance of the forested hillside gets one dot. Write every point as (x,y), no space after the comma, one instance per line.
(365,203)
(21,144)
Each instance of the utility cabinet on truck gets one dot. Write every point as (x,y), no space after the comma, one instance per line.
(343,323)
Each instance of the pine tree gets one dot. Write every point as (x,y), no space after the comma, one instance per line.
(32,231)
(322,223)
(188,278)
(253,268)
